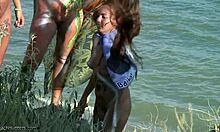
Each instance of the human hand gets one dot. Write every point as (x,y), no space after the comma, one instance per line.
(19,22)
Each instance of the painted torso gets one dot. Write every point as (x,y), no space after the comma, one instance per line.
(122,73)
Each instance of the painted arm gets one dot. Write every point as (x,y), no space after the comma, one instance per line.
(96,53)
(19,22)
(89,88)
(93,62)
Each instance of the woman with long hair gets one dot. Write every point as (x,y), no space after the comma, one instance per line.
(113,64)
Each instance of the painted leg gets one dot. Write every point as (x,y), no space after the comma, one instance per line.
(41,33)
(5,27)
(118,112)
(66,36)
(124,109)
(109,117)
(98,116)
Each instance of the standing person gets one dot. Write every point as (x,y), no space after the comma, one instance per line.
(5,23)
(113,65)
(60,18)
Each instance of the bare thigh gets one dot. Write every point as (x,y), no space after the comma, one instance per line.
(124,109)
(5,6)
(42,31)
(66,37)
(118,116)
(67,34)
(5,27)
(104,97)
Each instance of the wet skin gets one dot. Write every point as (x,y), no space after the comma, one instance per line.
(51,19)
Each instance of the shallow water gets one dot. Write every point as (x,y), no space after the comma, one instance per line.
(179,43)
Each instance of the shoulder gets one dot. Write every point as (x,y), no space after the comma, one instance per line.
(97,36)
